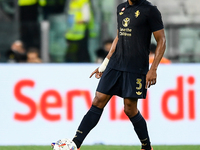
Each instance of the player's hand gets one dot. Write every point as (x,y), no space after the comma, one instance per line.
(97,74)
(151,78)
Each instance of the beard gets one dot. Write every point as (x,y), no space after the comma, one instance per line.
(134,1)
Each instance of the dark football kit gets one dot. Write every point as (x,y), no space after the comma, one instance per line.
(126,71)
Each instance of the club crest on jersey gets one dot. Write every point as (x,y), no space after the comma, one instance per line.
(137,13)
(126,22)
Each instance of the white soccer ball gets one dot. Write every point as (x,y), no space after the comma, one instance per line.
(64,144)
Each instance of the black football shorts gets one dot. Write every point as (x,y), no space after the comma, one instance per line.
(123,84)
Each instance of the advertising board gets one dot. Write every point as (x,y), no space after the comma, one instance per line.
(41,103)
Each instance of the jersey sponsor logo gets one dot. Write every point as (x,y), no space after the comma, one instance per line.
(126,22)
(137,13)
(125,32)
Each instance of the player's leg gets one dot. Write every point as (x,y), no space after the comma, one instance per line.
(139,123)
(91,118)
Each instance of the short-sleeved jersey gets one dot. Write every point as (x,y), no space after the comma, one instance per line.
(136,23)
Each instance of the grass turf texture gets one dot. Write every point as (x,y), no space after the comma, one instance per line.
(105,147)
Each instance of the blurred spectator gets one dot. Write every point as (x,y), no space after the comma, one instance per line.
(80,26)
(33,56)
(29,26)
(17,52)
(152,54)
(101,53)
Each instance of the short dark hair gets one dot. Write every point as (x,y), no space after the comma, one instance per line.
(33,50)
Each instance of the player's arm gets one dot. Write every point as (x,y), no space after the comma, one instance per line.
(99,71)
(160,49)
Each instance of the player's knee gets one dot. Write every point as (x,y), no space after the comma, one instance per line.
(130,111)
(98,102)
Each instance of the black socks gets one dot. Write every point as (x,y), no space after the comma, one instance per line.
(92,117)
(88,122)
(140,128)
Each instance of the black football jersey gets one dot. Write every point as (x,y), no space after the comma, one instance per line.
(136,23)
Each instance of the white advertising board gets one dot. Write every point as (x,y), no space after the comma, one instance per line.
(41,103)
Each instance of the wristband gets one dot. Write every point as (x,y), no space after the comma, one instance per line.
(103,65)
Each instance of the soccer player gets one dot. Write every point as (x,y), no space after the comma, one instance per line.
(125,70)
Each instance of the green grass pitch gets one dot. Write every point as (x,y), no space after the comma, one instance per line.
(105,147)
